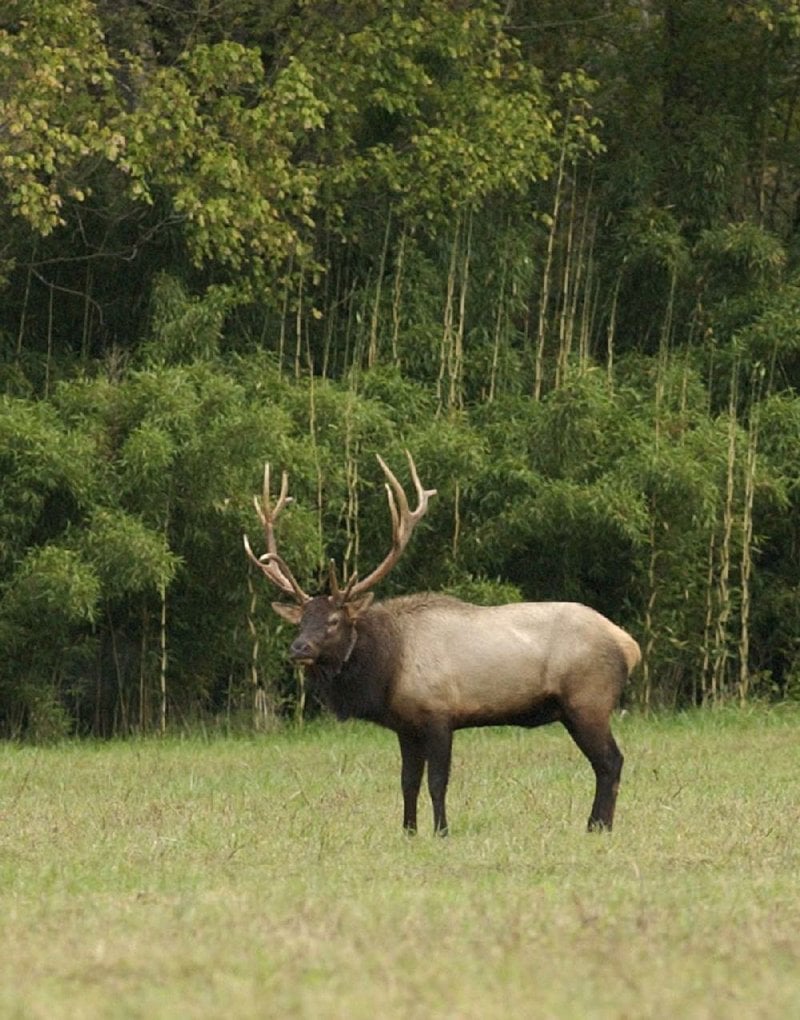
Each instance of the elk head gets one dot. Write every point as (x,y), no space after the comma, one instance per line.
(327,623)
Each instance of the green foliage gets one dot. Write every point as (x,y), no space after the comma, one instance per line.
(127,557)
(57,106)
(53,593)
(223,154)
(769,344)
(742,254)
(555,257)
(47,475)
(484,592)
(53,588)
(430,103)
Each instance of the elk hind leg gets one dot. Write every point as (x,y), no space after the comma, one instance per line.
(592,733)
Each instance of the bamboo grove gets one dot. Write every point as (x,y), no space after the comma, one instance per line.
(552,248)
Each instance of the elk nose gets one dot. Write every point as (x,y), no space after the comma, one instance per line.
(302,650)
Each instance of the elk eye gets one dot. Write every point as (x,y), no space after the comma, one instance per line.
(333,622)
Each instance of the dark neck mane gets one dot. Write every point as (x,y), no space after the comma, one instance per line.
(361,686)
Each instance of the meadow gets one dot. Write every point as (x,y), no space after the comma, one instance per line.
(268,877)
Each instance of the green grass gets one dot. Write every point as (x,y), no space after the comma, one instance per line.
(269,878)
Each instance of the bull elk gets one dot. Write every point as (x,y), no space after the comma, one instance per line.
(426,665)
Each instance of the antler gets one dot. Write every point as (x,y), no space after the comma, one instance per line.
(404,521)
(273,566)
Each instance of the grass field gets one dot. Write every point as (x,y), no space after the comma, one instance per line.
(268,877)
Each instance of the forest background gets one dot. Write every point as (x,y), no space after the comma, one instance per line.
(551,248)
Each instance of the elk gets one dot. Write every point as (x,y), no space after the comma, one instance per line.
(426,665)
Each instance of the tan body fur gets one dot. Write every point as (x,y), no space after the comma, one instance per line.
(472,664)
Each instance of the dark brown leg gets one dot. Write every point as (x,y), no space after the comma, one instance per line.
(412,751)
(598,744)
(439,748)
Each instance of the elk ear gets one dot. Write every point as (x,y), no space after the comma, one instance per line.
(293,614)
(355,608)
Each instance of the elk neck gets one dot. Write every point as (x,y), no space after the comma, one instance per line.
(359,686)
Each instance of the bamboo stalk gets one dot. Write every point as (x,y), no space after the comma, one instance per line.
(163,635)
(97,726)
(312,429)
(298,327)
(456,520)
(446,344)
(357,362)
(122,701)
(588,313)
(48,363)
(584,290)
(663,358)
(351,514)
(163,662)
(746,566)
(456,394)
(372,349)
(498,321)
(327,331)
(566,322)
(708,693)
(329,304)
(544,297)
(669,315)
(611,331)
(649,630)
(143,712)
(722,639)
(284,315)
(348,332)
(251,627)
(397,292)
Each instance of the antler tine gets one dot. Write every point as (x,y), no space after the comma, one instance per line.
(263,563)
(395,514)
(264,509)
(333,581)
(405,517)
(283,577)
(271,563)
(404,520)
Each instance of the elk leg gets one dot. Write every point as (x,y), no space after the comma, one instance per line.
(439,747)
(412,752)
(597,743)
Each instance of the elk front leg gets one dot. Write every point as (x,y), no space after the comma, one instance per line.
(412,751)
(438,750)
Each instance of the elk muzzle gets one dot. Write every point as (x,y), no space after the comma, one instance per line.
(303,652)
